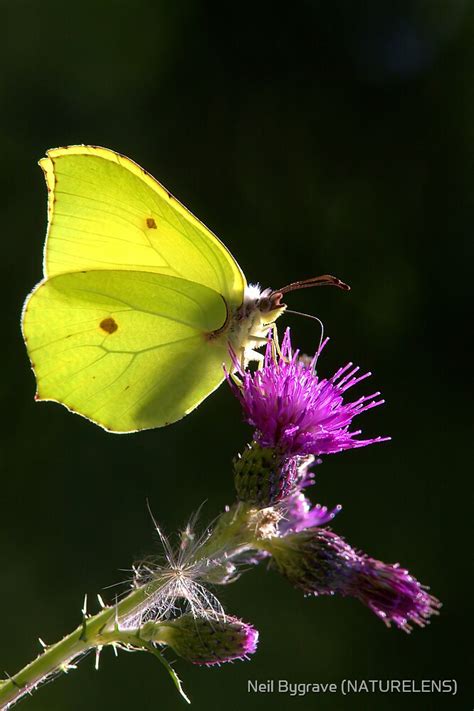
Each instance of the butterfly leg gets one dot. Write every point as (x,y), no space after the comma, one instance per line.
(259,340)
(254,355)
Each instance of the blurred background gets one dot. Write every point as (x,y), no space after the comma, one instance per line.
(325,137)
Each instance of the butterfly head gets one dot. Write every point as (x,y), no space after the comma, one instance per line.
(250,323)
(265,302)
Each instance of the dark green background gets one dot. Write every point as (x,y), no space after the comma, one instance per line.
(327,137)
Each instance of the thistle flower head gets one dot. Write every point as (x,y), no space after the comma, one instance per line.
(296,412)
(321,563)
(208,641)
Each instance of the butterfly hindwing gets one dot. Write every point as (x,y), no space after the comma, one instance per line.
(127,349)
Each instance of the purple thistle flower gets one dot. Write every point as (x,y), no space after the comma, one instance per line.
(299,514)
(297,511)
(296,412)
(321,563)
(209,642)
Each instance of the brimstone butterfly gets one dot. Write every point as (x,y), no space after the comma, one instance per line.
(140,302)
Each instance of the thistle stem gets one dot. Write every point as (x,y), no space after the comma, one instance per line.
(233,532)
(94,632)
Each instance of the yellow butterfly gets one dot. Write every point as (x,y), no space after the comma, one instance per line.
(140,302)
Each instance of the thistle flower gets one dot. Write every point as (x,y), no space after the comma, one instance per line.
(321,563)
(297,512)
(295,412)
(209,642)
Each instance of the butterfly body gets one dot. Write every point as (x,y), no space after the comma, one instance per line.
(248,329)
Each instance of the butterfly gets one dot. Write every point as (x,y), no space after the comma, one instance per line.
(140,303)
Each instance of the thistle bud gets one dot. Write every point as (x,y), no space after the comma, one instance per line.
(208,641)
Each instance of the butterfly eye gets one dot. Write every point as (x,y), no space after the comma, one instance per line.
(264,304)
(271,302)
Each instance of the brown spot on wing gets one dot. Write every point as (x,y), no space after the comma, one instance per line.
(109,325)
(150,223)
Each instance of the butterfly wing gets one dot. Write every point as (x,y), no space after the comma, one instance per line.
(106,212)
(129,350)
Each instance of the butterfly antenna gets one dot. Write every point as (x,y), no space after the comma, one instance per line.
(321,338)
(323,280)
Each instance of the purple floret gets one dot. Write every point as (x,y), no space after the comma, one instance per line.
(393,594)
(299,514)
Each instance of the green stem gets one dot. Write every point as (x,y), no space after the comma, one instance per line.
(231,532)
(234,532)
(92,633)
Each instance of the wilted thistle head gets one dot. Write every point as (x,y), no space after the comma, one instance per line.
(319,562)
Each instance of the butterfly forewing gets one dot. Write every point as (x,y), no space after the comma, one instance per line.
(105,212)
